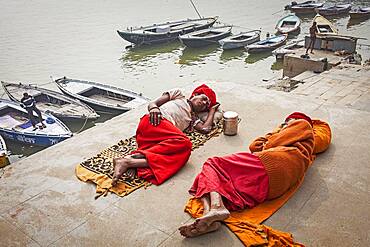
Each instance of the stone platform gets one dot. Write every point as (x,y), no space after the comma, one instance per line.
(42,203)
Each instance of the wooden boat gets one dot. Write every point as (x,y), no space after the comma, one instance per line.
(240,40)
(337,9)
(288,24)
(360,13)
(324,26)
(289,48)
(305,8)
(209,36)
(165,32)
(57,104)
(15,125)
(101,97)
(3,153)
(267,44)
(294,3)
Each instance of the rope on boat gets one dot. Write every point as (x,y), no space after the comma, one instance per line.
(83,126)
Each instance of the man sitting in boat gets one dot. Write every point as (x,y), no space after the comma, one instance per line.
(163,148)
(242,180)
(29,103)
(313,31)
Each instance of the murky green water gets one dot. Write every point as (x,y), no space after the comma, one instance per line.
(78,39)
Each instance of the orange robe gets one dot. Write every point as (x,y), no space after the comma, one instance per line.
(286,155)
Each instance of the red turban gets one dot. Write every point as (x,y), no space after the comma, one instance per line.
(204,89)
(300,115)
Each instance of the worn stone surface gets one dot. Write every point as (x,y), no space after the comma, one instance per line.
(345,85)
(44,204)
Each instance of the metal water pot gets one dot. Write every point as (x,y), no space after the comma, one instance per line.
(231,121)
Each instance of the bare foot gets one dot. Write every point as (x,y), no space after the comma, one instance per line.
(190,231)
(120,166)
(212,216)
(185,230)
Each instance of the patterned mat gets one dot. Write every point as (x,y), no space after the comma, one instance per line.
(102,163)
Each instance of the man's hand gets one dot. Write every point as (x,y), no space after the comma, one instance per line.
(155,116)
(215,107)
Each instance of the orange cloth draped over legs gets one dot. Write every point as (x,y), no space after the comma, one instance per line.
(166,148)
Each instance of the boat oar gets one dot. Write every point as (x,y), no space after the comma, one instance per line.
(195,9)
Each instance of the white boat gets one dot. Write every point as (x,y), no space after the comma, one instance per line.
(16,125)
(289,48)
(324,26)
(57,104)
(288,24)
(3,153)
(209,36)
(240,40)
(101,97)
(267,44)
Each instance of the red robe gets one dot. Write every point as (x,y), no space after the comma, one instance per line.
(240,178)
(166,148)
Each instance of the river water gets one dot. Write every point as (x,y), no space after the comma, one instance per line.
(78,39)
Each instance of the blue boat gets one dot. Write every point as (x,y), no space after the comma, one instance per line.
(15,125)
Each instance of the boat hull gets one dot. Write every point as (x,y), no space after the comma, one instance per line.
(305,9)
(194,41)
(4,161)
(288,25)
(336,11)
(254,48)
(100,105)
(324,27)
(32,139)
(360,14)
(148,38)
(85,113)
(229,43)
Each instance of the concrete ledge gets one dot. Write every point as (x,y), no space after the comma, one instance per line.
(42,203)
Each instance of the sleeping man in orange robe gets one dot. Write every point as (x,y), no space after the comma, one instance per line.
(243,180)
(163,147)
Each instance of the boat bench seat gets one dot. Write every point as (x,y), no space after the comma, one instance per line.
(185,25)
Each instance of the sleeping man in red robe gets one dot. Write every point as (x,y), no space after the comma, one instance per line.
(242,180)
(163,148)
